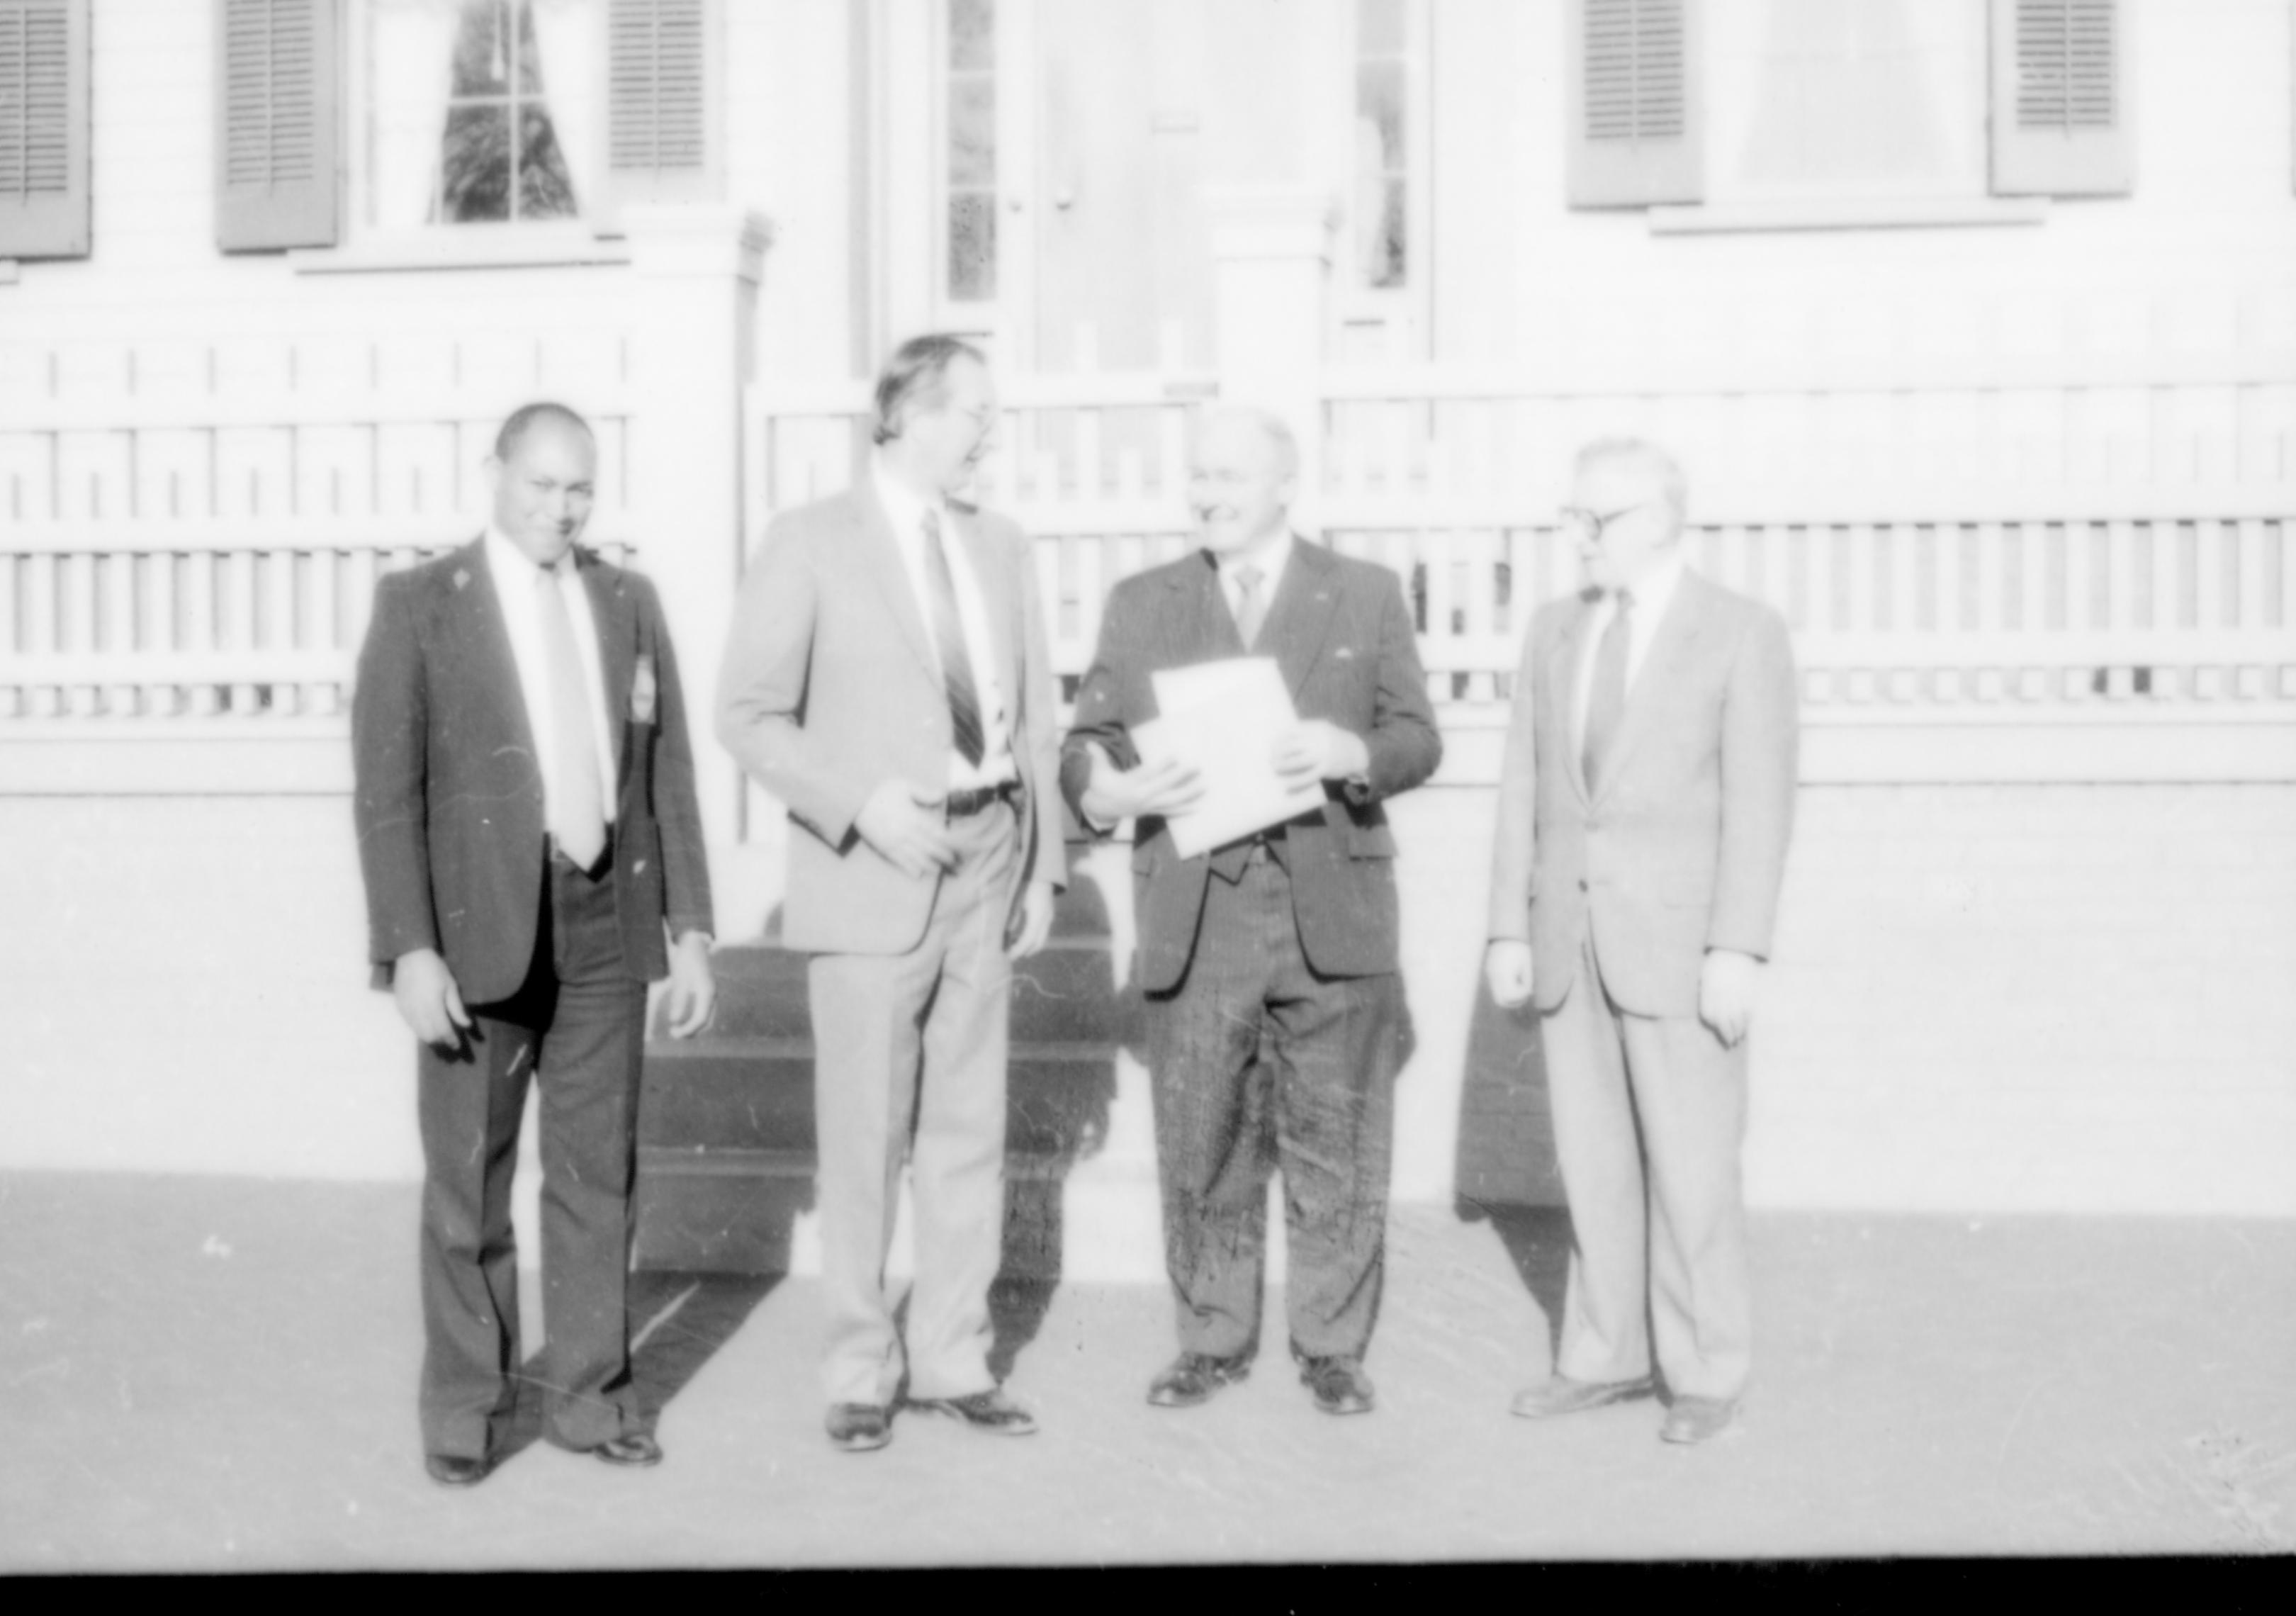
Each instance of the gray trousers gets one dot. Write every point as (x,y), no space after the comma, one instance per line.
(1650,1112)
(1255,1061)
(577,1029)
(909,1053)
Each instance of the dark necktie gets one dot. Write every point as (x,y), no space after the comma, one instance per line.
(577,800)
(955,658)
(1249,611)
(1606,703)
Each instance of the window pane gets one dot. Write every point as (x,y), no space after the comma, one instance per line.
(1379,101)
(530,57)
(477,164)
(972,132)
(972,34)
(482,49)
(544,189)
(1384,253)
(971,247)
(1379,28)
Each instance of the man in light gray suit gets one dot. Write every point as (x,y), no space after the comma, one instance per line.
(1644,809)
(888,679)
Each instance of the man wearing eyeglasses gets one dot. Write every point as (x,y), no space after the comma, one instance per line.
(888,680)
(1644,807)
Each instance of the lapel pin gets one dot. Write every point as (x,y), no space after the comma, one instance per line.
(462,577)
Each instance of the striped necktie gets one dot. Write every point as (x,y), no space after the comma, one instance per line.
(956,656)
(1250,611)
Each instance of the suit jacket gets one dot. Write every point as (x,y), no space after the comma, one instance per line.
(1341,634)
(448,799)
(831,686)
(1681,845)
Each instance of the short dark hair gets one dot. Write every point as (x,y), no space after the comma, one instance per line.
(527,416)
(914,371)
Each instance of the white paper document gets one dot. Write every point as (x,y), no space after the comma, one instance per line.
(1222,720)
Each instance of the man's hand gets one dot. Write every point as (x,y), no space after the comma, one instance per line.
(1160,789)
(428,1001)
(1316,749)
(1506,967)
(903,822)
(693,986)
(1036,921)
(1725,992)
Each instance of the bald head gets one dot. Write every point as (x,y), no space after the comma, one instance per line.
(1247,427)
(1242,467)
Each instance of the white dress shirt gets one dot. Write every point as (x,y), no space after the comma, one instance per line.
(516,581)
(1653,593)
(906,513)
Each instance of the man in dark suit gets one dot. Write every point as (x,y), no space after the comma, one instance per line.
(530,841)
(888,679)
(1644,812)
(1275,1016)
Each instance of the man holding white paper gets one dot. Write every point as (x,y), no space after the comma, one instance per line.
(1275,1016)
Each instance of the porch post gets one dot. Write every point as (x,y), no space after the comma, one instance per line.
(1271,257)
(691,353)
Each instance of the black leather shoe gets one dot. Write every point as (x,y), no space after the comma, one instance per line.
(1193,1377)
(858,1427)
(452,1470)
(634,1451)
(1339,1384)
(991,1411)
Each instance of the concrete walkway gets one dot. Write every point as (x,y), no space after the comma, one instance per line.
(207,1373)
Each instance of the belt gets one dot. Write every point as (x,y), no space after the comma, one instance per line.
(963,804)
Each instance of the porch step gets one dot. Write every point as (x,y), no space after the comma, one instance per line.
(725,1120)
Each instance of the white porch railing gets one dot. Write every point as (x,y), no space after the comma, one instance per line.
(190,537)
(1964,538)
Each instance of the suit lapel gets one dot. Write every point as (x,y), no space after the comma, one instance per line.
(1562,693)
(1661,669)
(881,559)
(1199,627)
(618,649)
(475,610)
(1300,617)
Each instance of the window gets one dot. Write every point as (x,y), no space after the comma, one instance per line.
(969,220)
(43,128)
(480,112)
(1384,284)
(535,114)
(1383,178)
(1772,103)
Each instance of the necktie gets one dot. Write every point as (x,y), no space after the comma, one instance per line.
(955,658)
(1249,611)
(1606,703)
(576,797)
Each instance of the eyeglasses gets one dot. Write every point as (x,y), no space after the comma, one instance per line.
(1592,522)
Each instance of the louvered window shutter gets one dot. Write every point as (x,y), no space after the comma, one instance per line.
(44,135)
(278,124)
(2061,124)
(1634,136)
(664,101)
